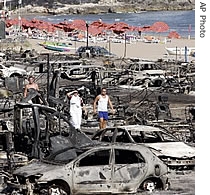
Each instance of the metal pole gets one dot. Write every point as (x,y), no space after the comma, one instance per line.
(87,26)
(48,76)
(125,47)
(189,31)
(19,16)
(109,45)
(185,53)
(58,73)
(75,44)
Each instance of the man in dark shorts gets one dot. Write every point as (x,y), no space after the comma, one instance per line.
(103,100)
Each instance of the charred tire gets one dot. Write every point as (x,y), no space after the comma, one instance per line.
(59,190)
(151,184)
(62,188)
(56,188)
(148,185)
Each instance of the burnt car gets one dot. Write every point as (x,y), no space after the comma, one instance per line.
(106,168)
(12,71)
(93,51)
(175,153)
(40,130)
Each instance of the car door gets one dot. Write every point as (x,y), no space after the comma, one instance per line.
(92,172)
(129,170)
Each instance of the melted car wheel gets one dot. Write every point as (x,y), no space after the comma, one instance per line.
(57,190)
(149,185)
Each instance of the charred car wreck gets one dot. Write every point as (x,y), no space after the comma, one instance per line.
(175,153)
(55,158)
(66,161)
(40,130)
(111,168)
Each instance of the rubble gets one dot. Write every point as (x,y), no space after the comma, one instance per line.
(36,130)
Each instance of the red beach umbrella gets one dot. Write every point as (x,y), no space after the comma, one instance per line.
(118,30)
(97,23)
(160,27)
(119,27)
(11,22)
(145,28)
(174,34)
(60,26)
(79,25)
(100,24)
(68,28)
(93,30)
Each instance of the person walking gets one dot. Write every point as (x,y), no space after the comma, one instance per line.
(76,107)
(103,100)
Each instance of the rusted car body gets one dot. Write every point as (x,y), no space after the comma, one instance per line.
(167,147)
(107,168)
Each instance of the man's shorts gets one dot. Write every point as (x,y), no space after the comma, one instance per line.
(103,115)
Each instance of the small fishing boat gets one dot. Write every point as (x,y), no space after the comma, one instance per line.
(180,51)
(56,46)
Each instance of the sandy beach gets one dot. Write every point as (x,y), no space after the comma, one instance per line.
(142,50)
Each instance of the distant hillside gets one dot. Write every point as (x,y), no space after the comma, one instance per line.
(102,6)
(149,3)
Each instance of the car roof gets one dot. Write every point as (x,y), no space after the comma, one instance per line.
(139,128)
(91,47)
(105,145)
(87,66)
(144,128)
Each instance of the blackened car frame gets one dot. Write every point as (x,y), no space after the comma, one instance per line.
(105,168)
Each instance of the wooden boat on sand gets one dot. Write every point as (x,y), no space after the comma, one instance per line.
(56,46)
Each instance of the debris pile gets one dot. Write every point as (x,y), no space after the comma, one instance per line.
(142,93)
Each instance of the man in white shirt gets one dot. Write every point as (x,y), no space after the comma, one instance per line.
(103,100)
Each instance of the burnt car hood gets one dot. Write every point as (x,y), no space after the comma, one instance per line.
(172,149)
(35,168)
